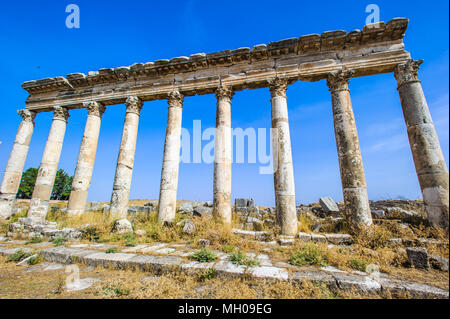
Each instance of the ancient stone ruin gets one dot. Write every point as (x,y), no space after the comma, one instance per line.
(335,56)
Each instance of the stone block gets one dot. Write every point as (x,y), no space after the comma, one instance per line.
(203,211)
(339,239)
(328,205)
(438,262)
(418,257)
(318,238)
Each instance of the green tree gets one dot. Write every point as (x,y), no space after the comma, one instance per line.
(61,188)
(27,183)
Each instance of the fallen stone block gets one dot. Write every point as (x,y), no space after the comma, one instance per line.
(189,227)
(339,239)
(318,238)
(328,205)
(203,211)
(304,236)
(438,262)
(418,257)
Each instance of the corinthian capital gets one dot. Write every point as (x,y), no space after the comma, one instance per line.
(224,93)
(95,108)
(175,99)
(338,80)
(278,87)
(60,113)
(134,104)
(27,115)
(407,72)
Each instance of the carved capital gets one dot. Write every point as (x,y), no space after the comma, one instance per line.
(60,113)
(95,108)
(224,93)
(407,72)
(134,104)
(278,87)
(175,99)
(338,80)
(27,115)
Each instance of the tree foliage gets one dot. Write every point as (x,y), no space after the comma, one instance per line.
(61,188)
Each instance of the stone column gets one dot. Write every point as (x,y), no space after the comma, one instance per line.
(286,211)
(16,162)
(428,158)
(169,175)
(49,165)
(222,157)
(86,159)
(125,162)
(353,181)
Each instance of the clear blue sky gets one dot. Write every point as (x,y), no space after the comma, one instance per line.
(36,44)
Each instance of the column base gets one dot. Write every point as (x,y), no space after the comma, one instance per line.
(38,209)
(222,207)
(357,206)
(6,205)
(436,205)
(167,206)
(287,214)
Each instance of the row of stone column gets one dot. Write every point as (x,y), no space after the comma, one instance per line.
(428,157)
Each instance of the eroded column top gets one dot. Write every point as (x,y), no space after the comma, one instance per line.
(338,81)
(175,99)
(60,113)
(407,72)
(27,115)
(278,87)
(224,93)
(95,108)
(134,105)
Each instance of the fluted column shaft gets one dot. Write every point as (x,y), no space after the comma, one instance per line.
(49,165)
(169,173)
(125,162)
(16,162)
(283,169)
(86,158)
(350,161)
(425,147)
(222,157)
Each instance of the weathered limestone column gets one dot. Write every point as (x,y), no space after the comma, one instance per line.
(283,168)
(125,162)
(49,165)
(350,161)
(428,158)
(222,157)
(169,174)
(16,162)
(86,159)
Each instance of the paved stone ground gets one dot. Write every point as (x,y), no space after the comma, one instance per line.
(160,258)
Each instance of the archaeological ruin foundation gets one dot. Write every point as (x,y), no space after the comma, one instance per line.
(334,56)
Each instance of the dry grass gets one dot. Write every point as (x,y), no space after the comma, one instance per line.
(116,284)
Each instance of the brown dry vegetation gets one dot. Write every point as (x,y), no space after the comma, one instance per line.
(14,283)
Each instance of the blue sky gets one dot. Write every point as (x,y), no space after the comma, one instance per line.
(36,44)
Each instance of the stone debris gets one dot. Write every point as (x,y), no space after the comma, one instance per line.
(189,227)
(122,226)
(418,257)
(203,211)
(328,205)
(438,262)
